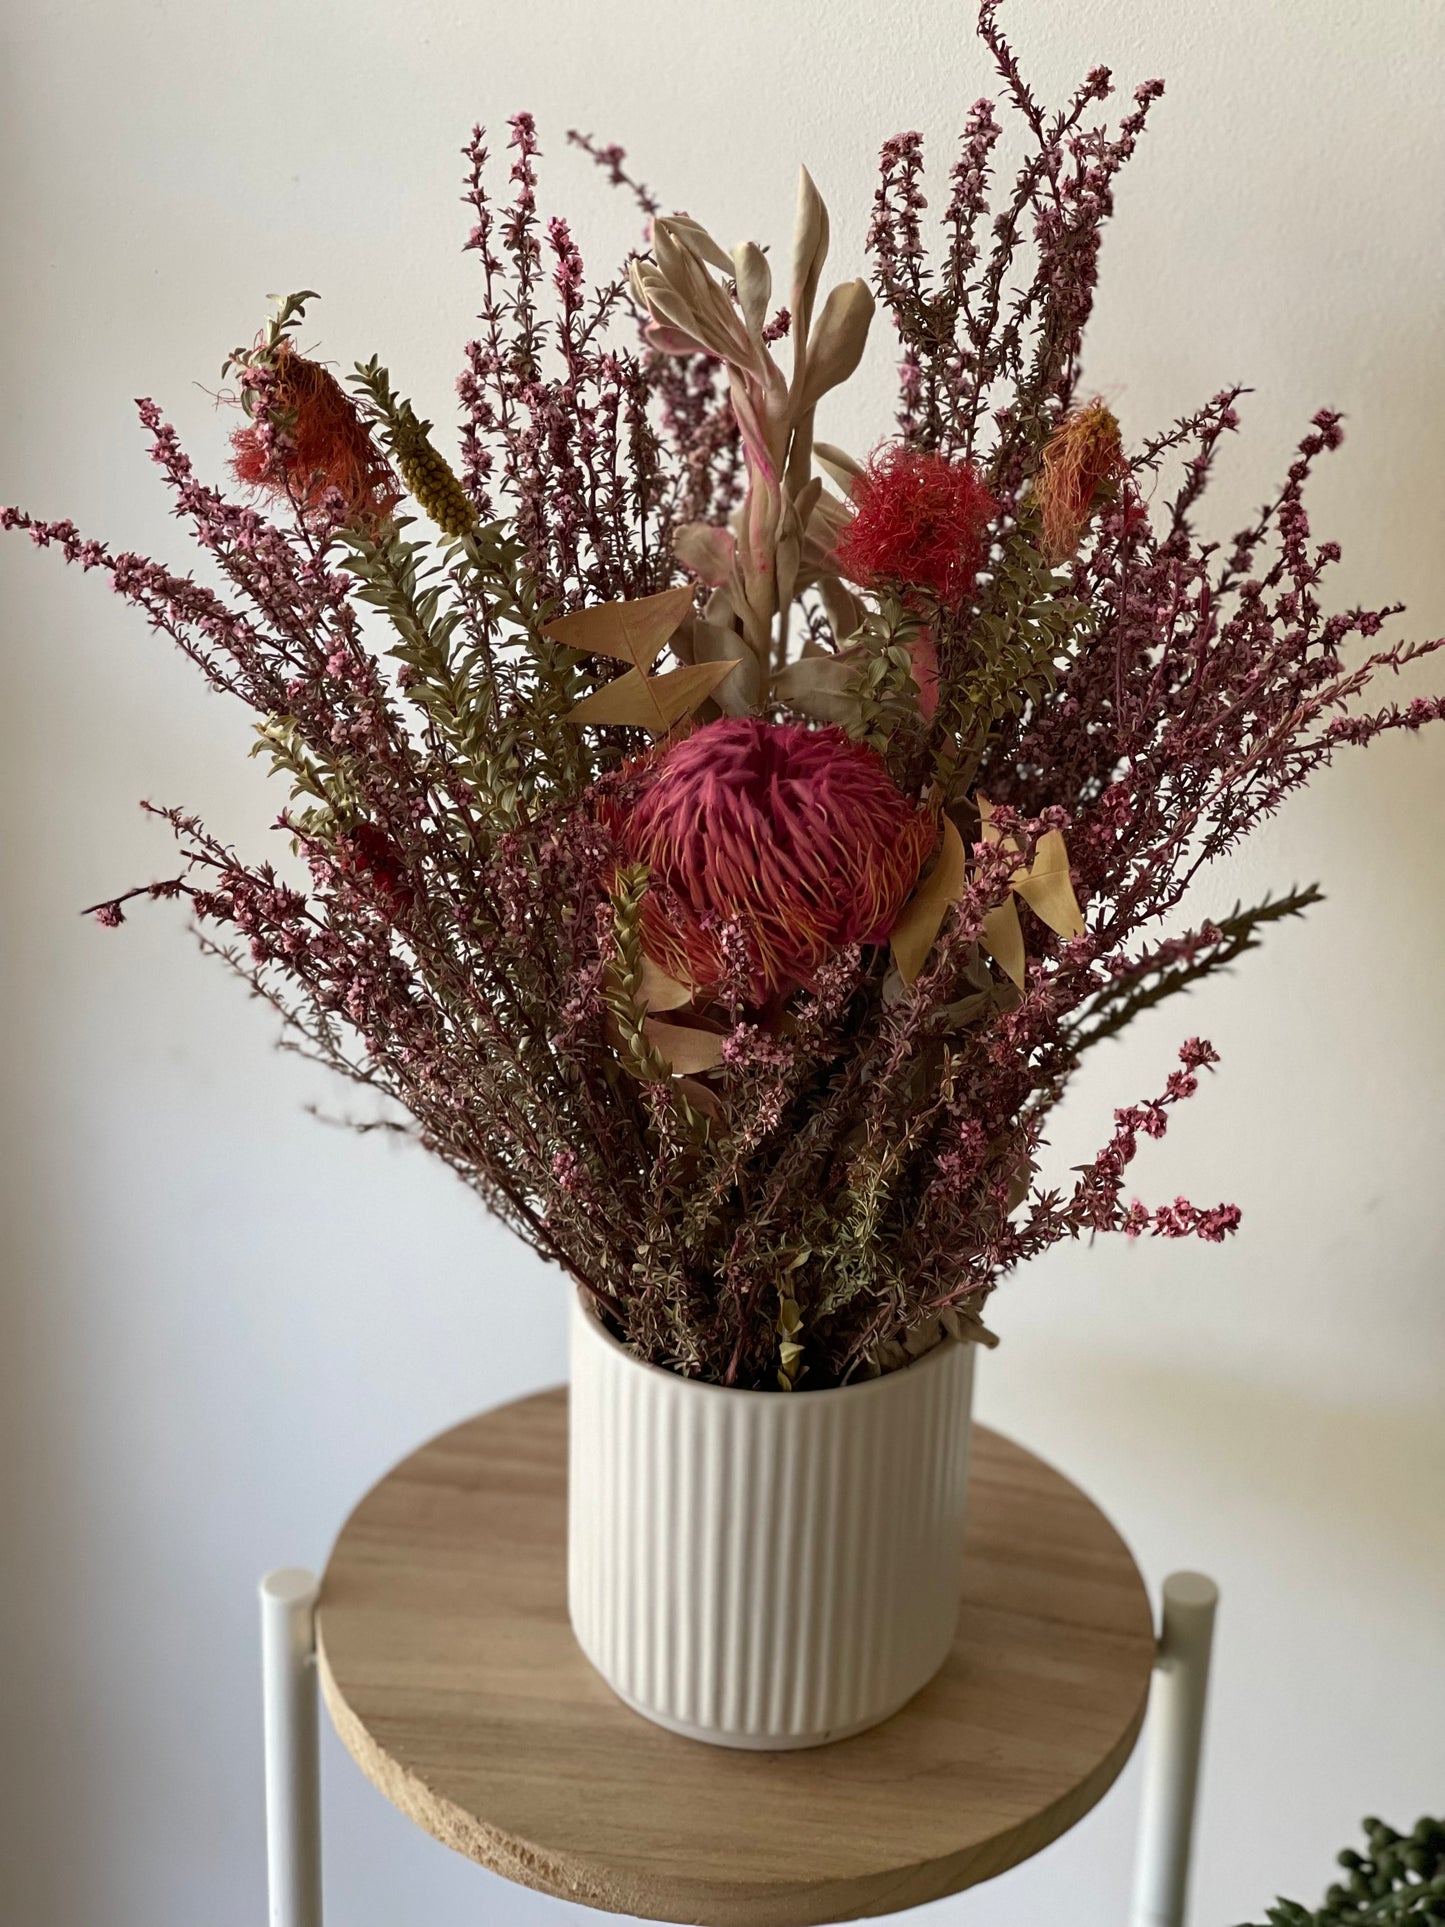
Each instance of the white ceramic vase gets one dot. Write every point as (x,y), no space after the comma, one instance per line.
(765,1569)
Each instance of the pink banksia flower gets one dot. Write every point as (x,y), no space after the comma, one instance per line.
(798,836)
(1081,466)
(919,522)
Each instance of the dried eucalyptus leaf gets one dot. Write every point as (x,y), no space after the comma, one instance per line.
(922,917)
(702,1097)
(1047,888)
(1003,938)
(960,1014)
(687,1051)
(894,990)
(844,611)
(819,686)
(631,632)
(740,693)
(659,991)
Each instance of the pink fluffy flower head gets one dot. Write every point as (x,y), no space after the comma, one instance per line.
(920,522)
(800,836)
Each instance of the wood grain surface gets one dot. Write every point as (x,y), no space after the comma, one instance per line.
(452,1675)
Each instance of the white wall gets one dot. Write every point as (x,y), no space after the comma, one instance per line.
(223,1320)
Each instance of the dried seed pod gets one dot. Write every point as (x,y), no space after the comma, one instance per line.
(430,479)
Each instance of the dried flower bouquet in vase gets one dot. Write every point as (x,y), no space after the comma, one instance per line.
(721,848)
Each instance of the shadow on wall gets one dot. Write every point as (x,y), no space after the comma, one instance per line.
(1361,1483)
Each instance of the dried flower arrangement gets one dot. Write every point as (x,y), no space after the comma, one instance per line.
(720,849)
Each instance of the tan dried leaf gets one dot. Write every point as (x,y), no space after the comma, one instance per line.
(991,832)
(631,632)
(845,612)
(1047,888)
(806,500)
(1003,938)
(740,693)
(687,1051)
(695,236)
(707,550)
(754,280)
(673,341)
(827,522)
(652,702)
(702,1097)
(787,555)
(922,916)
(838,465)
(659,991)
(810,250)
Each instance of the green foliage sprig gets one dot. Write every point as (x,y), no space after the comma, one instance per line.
(290,313)
(883,686)
(330,784)
(623,982)
(1025,628)
(1399,1878)
(1121,1001)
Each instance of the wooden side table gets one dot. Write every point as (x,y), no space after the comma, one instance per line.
(448,1665)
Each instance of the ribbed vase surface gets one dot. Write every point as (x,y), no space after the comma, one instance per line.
(765,1569)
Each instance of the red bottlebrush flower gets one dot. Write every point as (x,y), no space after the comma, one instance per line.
(919,521)
(1082,462)
(799,835)
(368,853)
(313,443)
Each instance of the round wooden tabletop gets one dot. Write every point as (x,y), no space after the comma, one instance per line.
(451,1672)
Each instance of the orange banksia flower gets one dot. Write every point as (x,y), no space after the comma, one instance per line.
(307,442)
(1082,463)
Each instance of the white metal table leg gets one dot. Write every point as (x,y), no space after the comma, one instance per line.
(293,1781)
(1175,1738)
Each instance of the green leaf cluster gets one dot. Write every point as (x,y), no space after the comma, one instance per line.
(1025,627)
(883,686)
(494,691)
(335,794)
(622,986)
(1400,1878)
(290,313)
